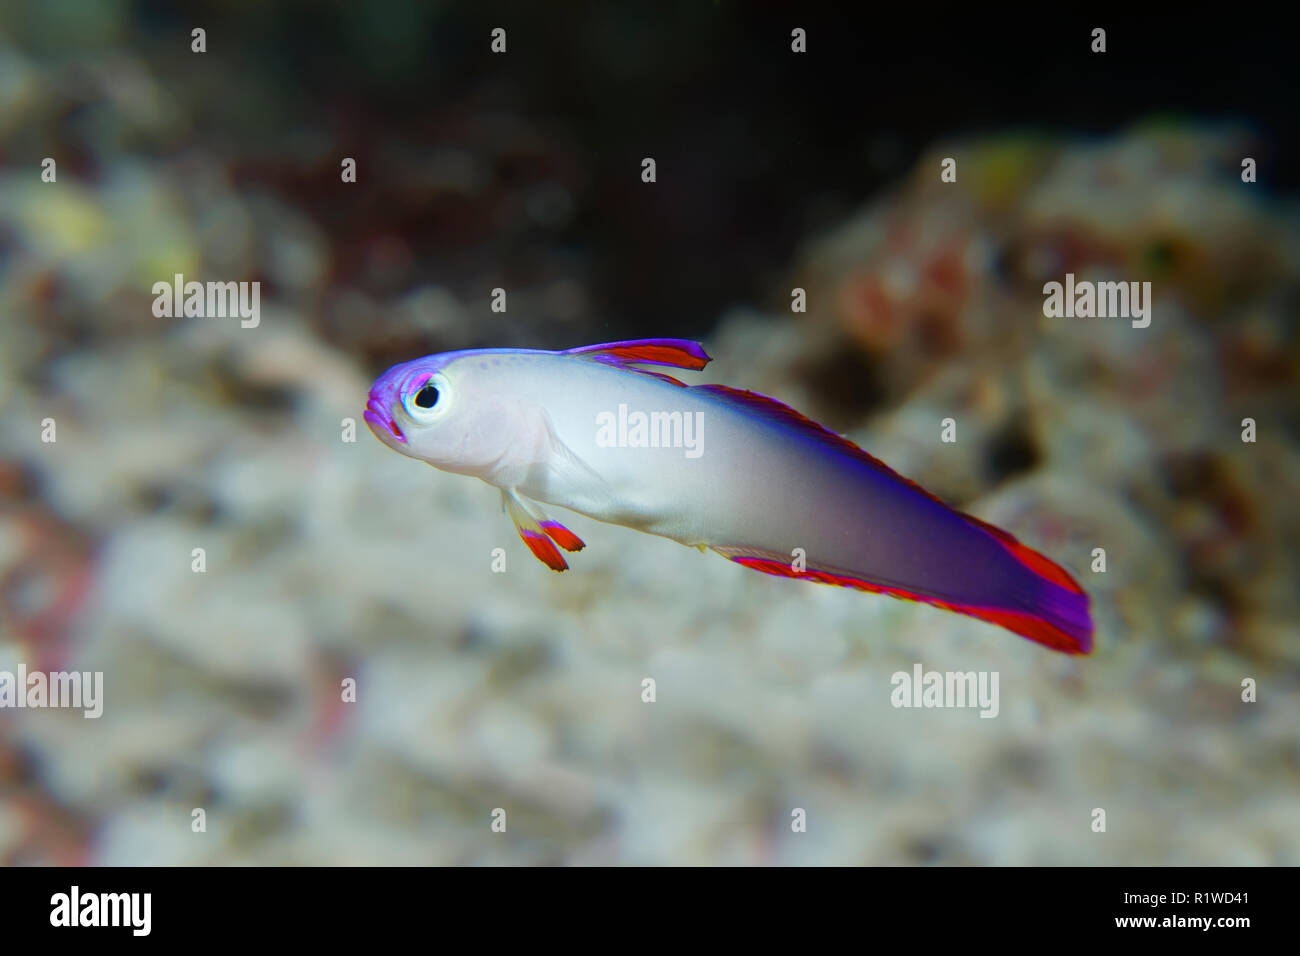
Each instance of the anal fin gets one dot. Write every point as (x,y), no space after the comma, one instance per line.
(1058,618)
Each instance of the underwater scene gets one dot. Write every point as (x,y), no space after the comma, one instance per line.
(850,445)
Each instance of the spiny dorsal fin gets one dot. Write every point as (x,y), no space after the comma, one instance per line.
(679,353)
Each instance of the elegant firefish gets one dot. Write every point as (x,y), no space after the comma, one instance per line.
(711,467)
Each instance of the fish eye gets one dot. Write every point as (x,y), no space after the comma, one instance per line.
(429,401)
(426,397)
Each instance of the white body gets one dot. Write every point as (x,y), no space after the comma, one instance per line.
(757,485)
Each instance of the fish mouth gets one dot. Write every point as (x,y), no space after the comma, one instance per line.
(381,421)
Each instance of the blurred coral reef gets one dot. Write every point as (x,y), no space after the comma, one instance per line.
(327,559)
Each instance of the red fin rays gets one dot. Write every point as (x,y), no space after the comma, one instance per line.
(542,548)
(678,353)
(1068,639)
(562,536)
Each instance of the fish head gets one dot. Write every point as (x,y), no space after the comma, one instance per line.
(446,410)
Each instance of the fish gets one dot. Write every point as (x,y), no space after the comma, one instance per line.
(595,431)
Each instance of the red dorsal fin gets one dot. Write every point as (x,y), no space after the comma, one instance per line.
(679,353)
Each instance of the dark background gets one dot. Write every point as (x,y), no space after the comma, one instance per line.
(757,147)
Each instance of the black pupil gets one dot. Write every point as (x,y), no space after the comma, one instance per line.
(427,397)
